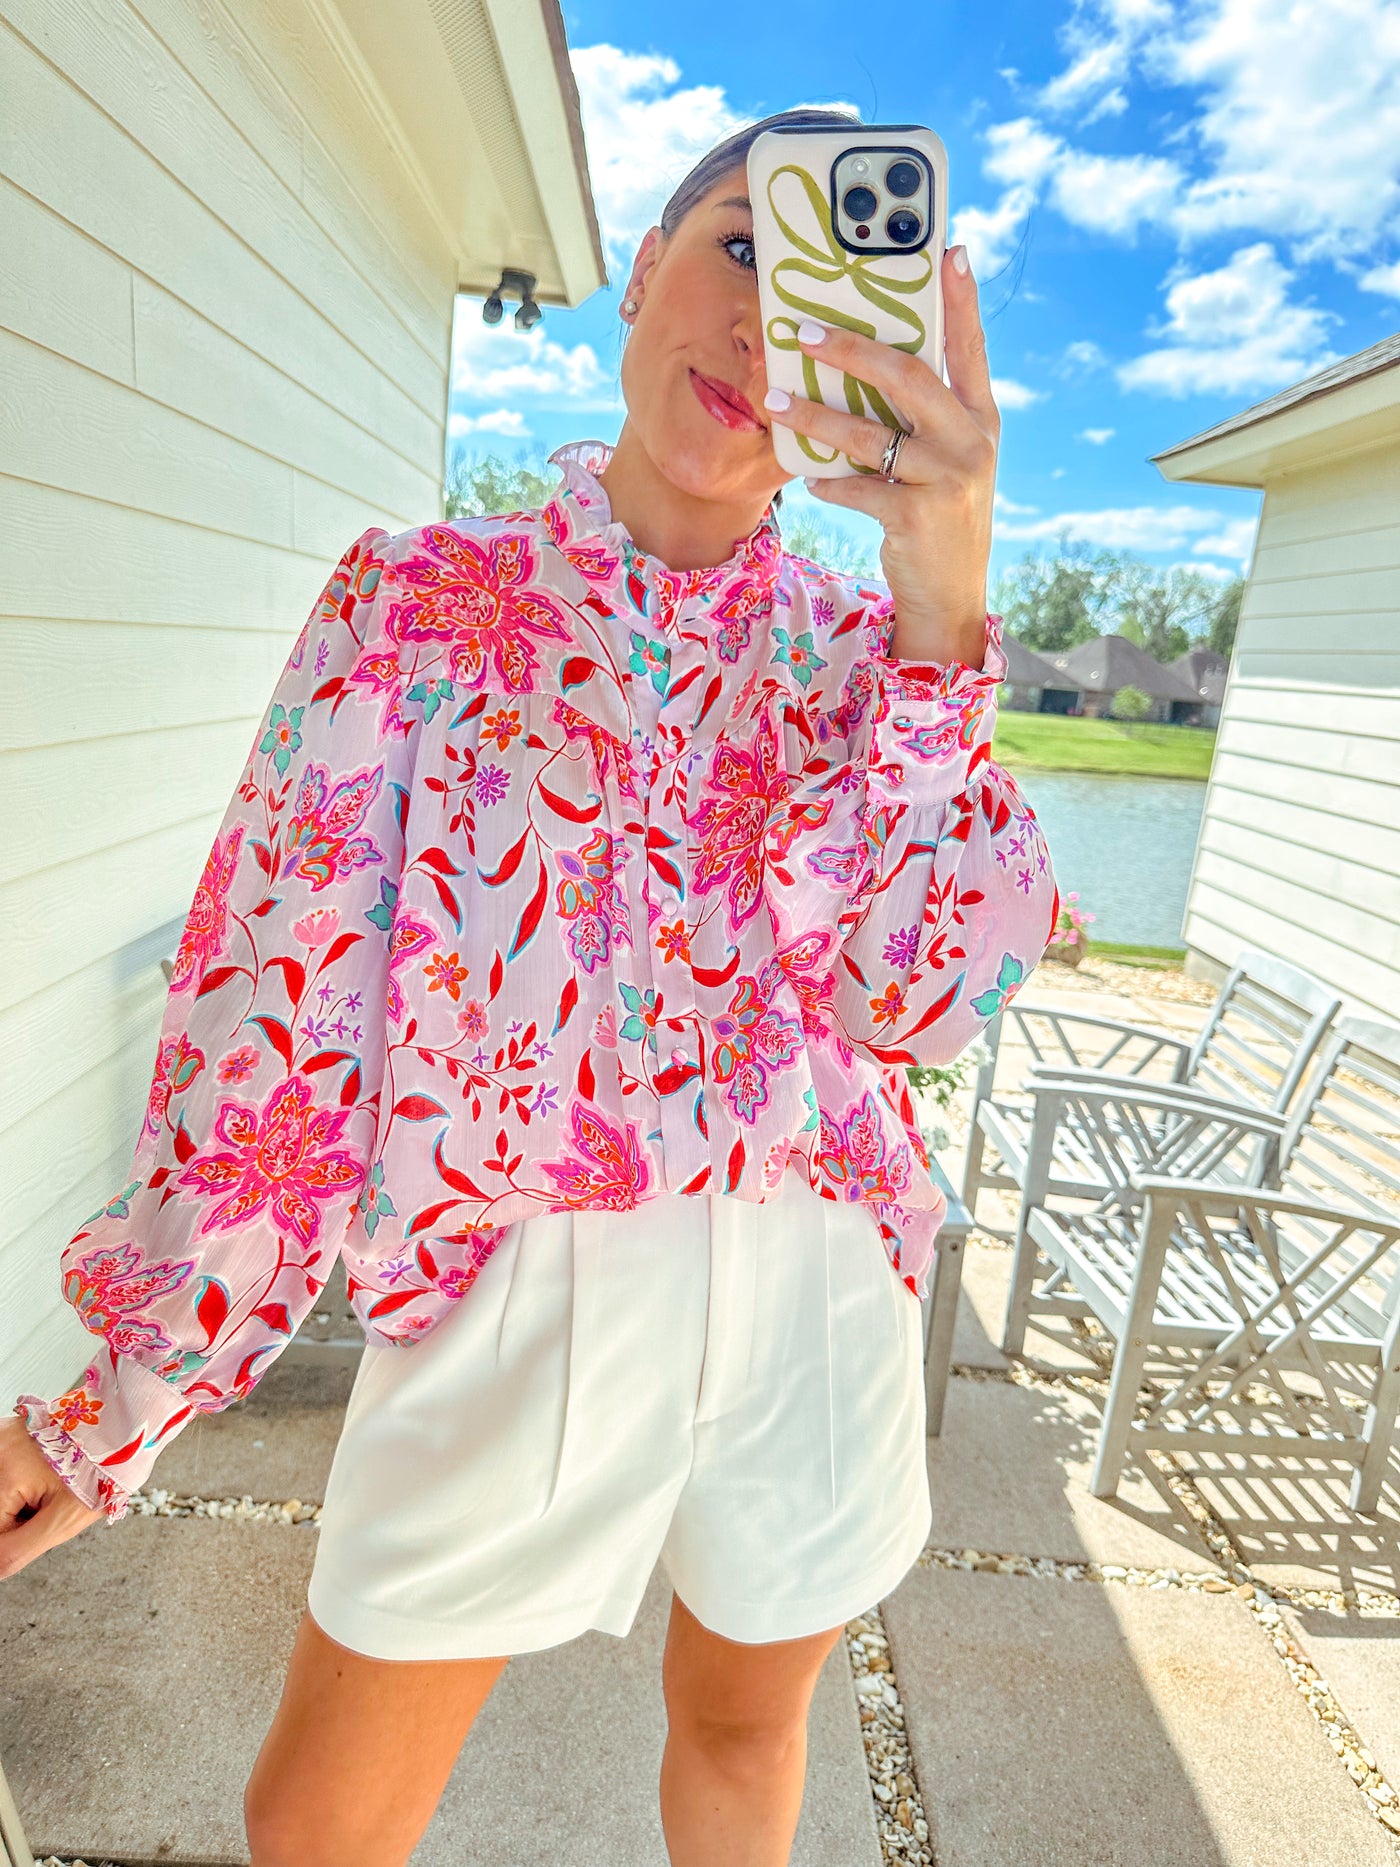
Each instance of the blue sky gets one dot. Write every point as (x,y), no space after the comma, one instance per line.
(1174,208)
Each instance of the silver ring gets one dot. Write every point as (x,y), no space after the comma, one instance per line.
(891,453)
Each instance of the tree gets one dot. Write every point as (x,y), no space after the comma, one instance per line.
(1130,703)
(1225,617)
(805,536)
(484,483)
(1162,611)
(1052,604)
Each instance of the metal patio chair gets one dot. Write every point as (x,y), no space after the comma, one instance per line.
(1252,1051)
(1244,1317)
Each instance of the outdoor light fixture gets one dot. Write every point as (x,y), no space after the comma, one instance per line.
(520,285)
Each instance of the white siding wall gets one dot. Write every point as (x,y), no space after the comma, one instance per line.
(225,330)
(1300,847)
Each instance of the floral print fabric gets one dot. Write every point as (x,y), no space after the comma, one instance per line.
(555,879)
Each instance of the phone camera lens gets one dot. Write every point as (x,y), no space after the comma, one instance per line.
(860,203)
(903,179)
(903,227)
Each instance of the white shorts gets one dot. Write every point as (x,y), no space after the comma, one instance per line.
(736,1389)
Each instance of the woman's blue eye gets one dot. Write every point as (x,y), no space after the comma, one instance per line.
(740,239)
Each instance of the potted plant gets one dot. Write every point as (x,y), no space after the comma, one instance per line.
(1070,940)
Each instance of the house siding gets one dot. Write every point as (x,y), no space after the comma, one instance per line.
(225,334)
(1299,852)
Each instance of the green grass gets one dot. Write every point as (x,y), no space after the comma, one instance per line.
(1159,957)
(1053,742)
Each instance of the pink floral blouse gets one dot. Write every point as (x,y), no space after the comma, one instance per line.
(555,880)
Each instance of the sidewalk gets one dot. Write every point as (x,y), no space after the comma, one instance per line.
(1204,1672)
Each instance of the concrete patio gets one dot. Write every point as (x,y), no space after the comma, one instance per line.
(1203,1672)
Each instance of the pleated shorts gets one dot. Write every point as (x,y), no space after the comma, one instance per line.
(731,1388)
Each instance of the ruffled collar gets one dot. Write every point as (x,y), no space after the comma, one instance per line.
(580,512)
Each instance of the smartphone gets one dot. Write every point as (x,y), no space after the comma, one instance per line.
(848,228)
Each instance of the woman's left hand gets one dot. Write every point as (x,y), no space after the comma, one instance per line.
(937,516)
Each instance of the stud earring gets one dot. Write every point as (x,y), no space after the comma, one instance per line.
(629,304)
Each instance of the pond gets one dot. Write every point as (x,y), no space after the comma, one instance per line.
(1126,844)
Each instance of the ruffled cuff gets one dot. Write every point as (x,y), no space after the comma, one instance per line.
(92,1487)
(931,722)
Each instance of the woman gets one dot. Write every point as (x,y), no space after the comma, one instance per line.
(596,874)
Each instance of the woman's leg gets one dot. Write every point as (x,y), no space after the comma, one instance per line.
(736,1749)
(358,1754)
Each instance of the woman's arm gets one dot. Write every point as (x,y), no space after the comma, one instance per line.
(956,900)
(261,1113)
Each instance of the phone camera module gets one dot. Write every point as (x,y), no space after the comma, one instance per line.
(903,179)
(860,203)
(903,227)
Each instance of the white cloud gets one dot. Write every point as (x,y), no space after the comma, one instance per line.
(1003,504)
(506,421)
(497,363)
(1130,528)
(1096,435)
(1384,279)
(1007,393)
(1085,354)
(1232,331)
(1235,540)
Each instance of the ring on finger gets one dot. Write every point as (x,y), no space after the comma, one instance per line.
(891,453)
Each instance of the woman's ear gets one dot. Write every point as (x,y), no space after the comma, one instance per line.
(647,255)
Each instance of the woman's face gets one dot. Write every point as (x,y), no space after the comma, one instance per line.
(696,350)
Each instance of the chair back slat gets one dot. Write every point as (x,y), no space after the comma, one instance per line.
(1262,1032)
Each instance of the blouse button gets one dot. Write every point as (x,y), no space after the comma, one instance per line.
(670,906)
(680,1055)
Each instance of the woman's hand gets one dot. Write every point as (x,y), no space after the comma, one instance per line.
(937,516)
(37,1510)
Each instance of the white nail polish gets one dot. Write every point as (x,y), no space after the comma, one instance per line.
(777,398)
(810,332)
(960,260)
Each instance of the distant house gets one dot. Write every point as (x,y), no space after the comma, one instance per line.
(1299,851)
(1101,667)
(1206,672)
(234,238)
(1032,684)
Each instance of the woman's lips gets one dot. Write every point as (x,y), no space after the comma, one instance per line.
(724,402)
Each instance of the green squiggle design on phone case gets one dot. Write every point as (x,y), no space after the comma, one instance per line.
(828,265)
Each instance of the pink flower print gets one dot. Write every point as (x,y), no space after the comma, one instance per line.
(775,1161)
(318,928)
(76,1408)
(473,1022)
(608,1171)
(751,1042)
(605,1028)
(320,844)
(477,598)
(590,898)
(239,1064)
(492,782)
(377,671)
(749,784)
(444,973)
(203,939)
(902,946)
(279,1160)
(110,1288)
(855,1158)
(177,1065)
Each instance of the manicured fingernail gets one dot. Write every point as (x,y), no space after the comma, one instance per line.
(960,262)
(812,484)
(810,332)
(777,398)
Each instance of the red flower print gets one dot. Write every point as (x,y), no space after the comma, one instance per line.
(672,941)
(278,1159)
(609,1171)
(751,785)
(203,939)
(444,974)
(478,598)
(856,1158)
(354,580)
(77,1407)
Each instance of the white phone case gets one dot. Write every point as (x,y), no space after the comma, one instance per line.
(804,270)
